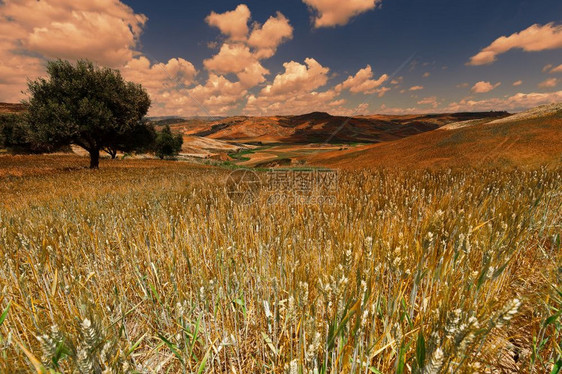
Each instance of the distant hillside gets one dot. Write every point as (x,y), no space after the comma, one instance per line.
(322,127)
(172,120)
(7,108)
(162,121)
(525,139)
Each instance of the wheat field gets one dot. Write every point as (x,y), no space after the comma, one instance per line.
(149,267)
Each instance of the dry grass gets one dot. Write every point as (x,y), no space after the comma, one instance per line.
(527,142)
(146,266)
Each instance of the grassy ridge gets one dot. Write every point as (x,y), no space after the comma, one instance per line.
(148,266)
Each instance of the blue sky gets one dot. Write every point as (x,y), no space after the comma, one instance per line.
(427,44)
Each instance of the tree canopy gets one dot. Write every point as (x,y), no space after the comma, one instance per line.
(86,105)
(167,144)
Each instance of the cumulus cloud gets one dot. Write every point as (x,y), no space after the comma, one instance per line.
(401,111)
(301,102)
(107,32)
(294,91)
(416,88)
(233,23)
(557,69)
(301,88)
(533,39)
(337,103)
(104,31)
(175,91)
(241,54)
(483,87)
(176,72)
(432,101)
(382,91)
(517,83)
(329,13)
(549,83)
(298,77)
(362,82)
(520,101)
(267,37)
(264,39)
(217,96)
(252,75)
(232,58)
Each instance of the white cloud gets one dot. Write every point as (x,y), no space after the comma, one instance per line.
(218,96)
(176,72)
(232,58)
(252,75)
(382,91)
(267,37)
(241,54)
(294,91)
(298,77)
(337,103)
(520,101)
(431,101)
(234,23)
(401,111)
(533,39)
(338,12)
(362,82)
(104,31)
(549,83)
(107,32)
(484,87)
(416,88)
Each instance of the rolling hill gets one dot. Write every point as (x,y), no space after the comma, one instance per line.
(7,108)
(321,127)
(405,141)
(526,139)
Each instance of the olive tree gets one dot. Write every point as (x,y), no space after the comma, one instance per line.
(168,144)
(85,105)
(141,139)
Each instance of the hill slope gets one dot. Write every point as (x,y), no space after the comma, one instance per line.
(6,108)
(322,127)
(525,139)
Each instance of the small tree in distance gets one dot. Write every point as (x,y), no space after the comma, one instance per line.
(13,134)
(82,104)
(168,144)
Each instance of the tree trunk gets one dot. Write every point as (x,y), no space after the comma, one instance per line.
(111,151)
(94,159)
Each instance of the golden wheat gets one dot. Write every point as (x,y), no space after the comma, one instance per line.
(151,268)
